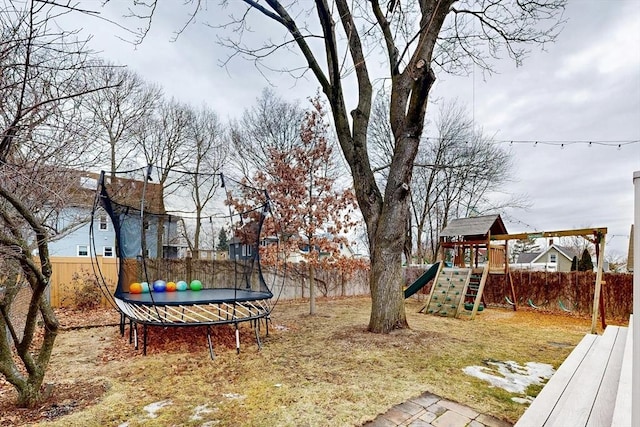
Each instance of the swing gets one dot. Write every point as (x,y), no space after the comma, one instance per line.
(563,307)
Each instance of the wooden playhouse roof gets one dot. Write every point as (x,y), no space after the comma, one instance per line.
(476,226)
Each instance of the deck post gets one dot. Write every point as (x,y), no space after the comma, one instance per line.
(635,369)
(600,241)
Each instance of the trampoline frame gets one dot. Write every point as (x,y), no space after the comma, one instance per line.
(201,312)
(206,307)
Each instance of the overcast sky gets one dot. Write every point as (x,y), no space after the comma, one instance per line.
(585,87)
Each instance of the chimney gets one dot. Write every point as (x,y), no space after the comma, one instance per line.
(550,242)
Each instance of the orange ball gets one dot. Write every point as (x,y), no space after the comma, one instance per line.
(135,288)
(171,287)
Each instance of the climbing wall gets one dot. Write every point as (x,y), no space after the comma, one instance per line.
(448,292)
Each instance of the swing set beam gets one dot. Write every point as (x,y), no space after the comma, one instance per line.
(595,236)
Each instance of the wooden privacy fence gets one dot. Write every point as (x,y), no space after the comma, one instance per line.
(548,289)
(74,282)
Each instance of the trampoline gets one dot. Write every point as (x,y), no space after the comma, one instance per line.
(168,229)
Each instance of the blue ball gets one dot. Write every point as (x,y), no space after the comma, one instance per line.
(181,286)
(159,286)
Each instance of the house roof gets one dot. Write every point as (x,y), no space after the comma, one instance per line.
(477,226)
(527,258)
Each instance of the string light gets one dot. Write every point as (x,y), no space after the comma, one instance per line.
(619,144)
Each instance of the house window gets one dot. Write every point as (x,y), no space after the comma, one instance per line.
(553,258)
(246,250)
(83,250)
(104,225)
(107,251)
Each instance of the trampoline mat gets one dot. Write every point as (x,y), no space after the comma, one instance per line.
(205,296)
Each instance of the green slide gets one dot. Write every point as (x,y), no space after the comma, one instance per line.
(422,280)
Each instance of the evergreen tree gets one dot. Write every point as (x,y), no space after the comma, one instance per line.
(223,241)
(585,263)
(574,263)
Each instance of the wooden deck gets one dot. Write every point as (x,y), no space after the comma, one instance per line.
(592,387)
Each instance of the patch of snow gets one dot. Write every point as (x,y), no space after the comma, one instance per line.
(523,400)
(200,410)
(154,407)
(233,396)
(510,376)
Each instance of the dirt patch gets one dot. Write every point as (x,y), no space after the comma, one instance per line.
(64,398)
(87,342)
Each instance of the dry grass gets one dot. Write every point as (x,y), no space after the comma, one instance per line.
(312,371)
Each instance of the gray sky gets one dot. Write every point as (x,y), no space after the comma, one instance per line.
(585,87)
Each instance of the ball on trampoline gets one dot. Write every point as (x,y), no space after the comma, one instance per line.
(135,288)
(171,287)
(181,286)
(159,286)
(145,287)
(196,285)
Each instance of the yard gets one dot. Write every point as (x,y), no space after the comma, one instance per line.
(316,371)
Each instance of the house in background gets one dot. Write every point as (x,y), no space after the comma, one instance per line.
(554,258)
(239,250)
(74,220)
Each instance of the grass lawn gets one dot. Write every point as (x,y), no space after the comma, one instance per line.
(324,370)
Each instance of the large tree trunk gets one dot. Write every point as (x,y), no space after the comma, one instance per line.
(385,281)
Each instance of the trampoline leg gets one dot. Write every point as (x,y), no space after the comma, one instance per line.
(135,335)
(209,343)
(130,331)
(144,339)
(237,339)
(257,329)
(122,320)
(266,324)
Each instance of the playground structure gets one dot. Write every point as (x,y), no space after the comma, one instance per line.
(459,289)
(480,248)
(164,277)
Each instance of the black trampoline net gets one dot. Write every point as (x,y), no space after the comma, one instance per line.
(183,232)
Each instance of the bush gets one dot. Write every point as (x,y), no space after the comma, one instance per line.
(86,291)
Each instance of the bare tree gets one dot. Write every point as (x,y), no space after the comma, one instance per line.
(163,138)
(456,171)
(118,111)
(43,82)
(466,171)
(272,123)
(208,153)
(417,38)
